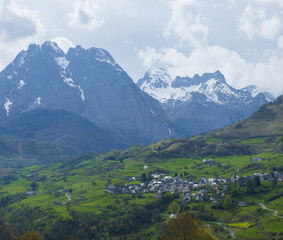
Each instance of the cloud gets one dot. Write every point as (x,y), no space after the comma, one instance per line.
(280,42)
(238,72)
(259,20)
(63,42)
(19,26)
(85,15)
(18,22)
(185,23)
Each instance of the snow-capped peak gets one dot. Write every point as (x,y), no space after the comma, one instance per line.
(255,90)
(161,86)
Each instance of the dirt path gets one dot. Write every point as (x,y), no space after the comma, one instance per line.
(231,232)
(275,211)
(69,198)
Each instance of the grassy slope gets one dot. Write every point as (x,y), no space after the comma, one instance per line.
(265,122)
(88,175)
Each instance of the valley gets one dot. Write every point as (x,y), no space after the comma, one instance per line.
(86,178)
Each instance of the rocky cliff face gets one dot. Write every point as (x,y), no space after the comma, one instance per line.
(87,82)
(202,103)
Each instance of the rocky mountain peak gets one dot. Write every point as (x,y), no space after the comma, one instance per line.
(154,79)
(87,82)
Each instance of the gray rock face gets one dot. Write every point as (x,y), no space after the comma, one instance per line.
(87,82)
(202,103)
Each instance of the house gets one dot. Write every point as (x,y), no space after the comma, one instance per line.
(225,188)
(210,161)
(242,204)
(80,197)
(173,215)
(30,193)
(145,167)
(278,176)
(132,179)
(57,203)
(255,159)
(203,178)
(199,198)
(186,199)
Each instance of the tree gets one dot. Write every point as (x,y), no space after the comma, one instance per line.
(250,188)
(257,181)
(34,186)
(174,207)
(31,236)
(235,192)
(227,204)
(143,177)
(185,227)
(6,231)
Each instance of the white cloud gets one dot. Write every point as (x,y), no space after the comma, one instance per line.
(185,23)
(63,42)
(85,15)
(238,71)
(260,21)
(280,42)
(17,22)
(19,26)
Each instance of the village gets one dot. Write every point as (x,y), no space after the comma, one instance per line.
(203,189)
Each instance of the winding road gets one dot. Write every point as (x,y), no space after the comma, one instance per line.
(275,211)
(69,198)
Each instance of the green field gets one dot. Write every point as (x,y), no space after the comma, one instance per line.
(88,177)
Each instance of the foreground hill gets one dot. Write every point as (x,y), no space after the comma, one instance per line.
(202,103)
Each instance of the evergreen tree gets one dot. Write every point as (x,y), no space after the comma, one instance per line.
(257,181)
(250,188)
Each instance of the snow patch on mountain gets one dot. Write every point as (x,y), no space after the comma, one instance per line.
(21,84)
(82,93)
(7,106)
(254,91)
(69,81)
(62,62)
(52,45)
(38,101)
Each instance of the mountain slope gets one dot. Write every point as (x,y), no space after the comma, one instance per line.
(87,82)
(267,121)
(40,136)
(201,103)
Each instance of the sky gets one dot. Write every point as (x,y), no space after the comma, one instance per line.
(241,38)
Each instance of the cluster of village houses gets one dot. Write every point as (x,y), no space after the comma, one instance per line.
(192,190)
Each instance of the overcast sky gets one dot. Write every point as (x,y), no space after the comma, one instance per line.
(241,38)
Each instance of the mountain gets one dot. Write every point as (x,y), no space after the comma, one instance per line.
(202,103)
(45,135)
(87,82)
(266,122)
(254,90)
